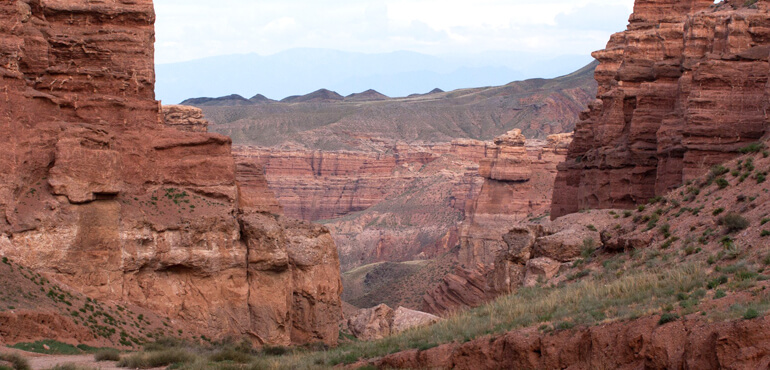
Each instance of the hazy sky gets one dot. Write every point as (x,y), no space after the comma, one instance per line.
(192,29)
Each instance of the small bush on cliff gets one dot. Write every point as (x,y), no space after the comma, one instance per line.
(722,183)
(667,318)
(589,247)
(734,222)
(751,313)
(753,147)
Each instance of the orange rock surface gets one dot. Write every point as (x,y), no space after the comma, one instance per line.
(97,193)
(682,89)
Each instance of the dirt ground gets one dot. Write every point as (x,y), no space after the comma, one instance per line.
(40,361)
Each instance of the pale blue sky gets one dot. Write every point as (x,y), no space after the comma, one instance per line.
(193,29)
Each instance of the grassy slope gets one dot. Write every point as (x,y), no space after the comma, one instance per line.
(25,291)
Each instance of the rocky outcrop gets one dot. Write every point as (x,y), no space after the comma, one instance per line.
(381,321)
(529,254)
(518,183)
(97,193)
(185,118)
(681,90)
(689,344)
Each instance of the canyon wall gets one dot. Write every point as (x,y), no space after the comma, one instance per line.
(397,204)
(406,202)
(518,179)
(682,89)
(99,194)
(518,182)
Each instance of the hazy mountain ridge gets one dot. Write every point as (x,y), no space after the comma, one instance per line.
(394,74)
(540,107)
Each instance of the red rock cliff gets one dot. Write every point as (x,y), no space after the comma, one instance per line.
(100,195)
(681,90)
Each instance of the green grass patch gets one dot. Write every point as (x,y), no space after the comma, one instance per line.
(56,347)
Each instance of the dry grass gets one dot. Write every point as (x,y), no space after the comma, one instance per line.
(17,361)
(573,303)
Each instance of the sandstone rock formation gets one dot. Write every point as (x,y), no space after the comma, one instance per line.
(98,194)
(528,254)
(681,90)
(399,203)
(372,323)
(185,118)
(518,183)
(642,343)
(381,321)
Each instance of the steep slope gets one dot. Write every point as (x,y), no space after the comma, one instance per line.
(538,107)
(681,90)
(34,308)
(98,194)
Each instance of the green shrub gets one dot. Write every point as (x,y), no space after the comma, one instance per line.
(667,318)
(565,325)
(589,247)
(765,233)
(734,222)
(751,313)
(107,355)
(717,282)
(718,170)
(719,294)
(722,183)
(753,147)
(591,227)
(718,211)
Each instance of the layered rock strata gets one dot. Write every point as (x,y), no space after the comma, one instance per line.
(405,202)
(96,192)
(398,204)
(185,118)
(518,182)
(682,89)
(643,343)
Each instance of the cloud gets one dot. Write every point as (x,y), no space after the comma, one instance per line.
(192,29)
(594,17)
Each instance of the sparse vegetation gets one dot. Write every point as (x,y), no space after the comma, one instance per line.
(667,318)
(758,146)
(734,222)
(17,361)
(107,355)
(148,360)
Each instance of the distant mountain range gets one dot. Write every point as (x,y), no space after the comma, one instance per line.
(327,120)
(397,74)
